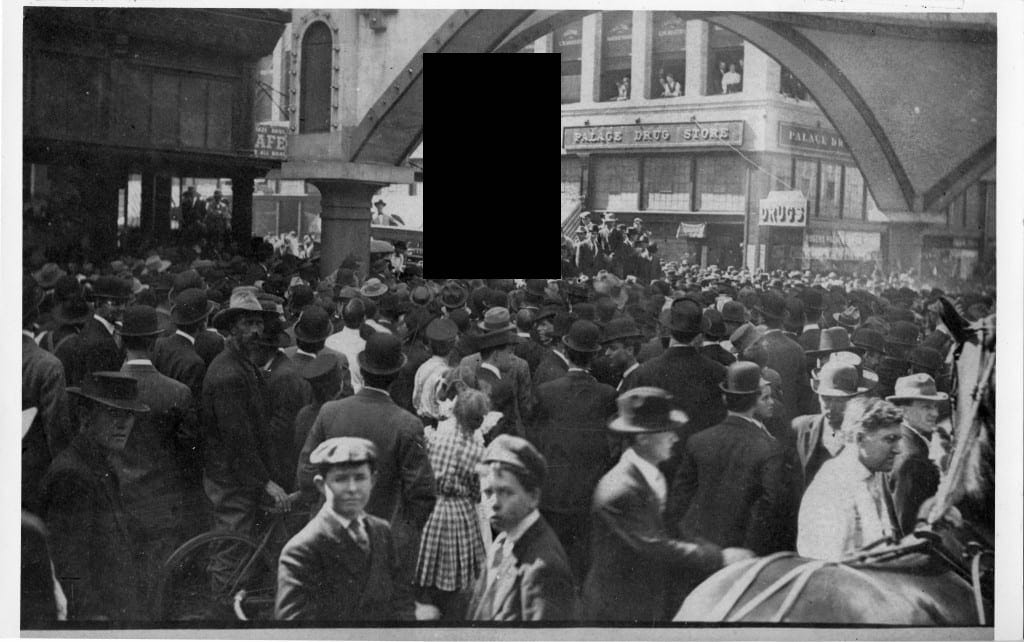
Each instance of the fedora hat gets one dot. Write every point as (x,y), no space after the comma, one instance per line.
(583,336)
(647,410)
(379,201)
(313,324)
(916,387)
(621,328)
(191,306)
(848,318)
(421,295)
(868,339)
(713,325)
(835,339)
(903,333)
(745,336)
(373,288)
(48,275)
(73,311)
(743,378)
(382,354)
(686,315)
(869,378)
(772,305)
(837,379)
(140,321)
(111,389)
(243,300)
(496,319)
(928,358)
(111,287)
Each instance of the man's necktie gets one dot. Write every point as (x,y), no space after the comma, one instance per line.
(359,535)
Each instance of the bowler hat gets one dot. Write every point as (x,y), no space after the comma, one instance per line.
(903,333)
(772,305)
(928,358)
(848,318)
(621,328)
(916,387)
(583,336)
(686,315)
(382,354)
(837,379)
(186,280)
(274,335)
(647,410)
(441,330)
(140,321)
(518,453)
(734,312)
(313,324)
(343,451)
(191,306)
(243,301)
(111,389)
(835,339)
(712,324)
(73,311)
(324,364)
(743,378)
(111,287)
(868,339)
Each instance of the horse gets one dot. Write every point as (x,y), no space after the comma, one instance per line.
(941,575)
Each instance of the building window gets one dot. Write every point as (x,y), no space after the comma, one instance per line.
(616,183)
(315,80)
(720,184)
(568,43)
(955,215)
(725,61)
(853,194)
(831,190)
(668,182)
(791,87)
(412,189)
(616,55)
(668,64)
(805,179)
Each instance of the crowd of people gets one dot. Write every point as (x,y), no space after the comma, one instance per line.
(587,449)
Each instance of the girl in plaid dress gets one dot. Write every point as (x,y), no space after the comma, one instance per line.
(451,548)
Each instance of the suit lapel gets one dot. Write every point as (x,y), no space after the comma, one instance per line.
(352,557)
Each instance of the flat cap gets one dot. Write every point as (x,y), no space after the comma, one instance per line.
(344,450)
(518,453)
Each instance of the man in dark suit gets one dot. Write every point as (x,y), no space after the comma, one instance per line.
(528,348)
(732,486)
(786,357)
(506,375)
(160,469)
(404,492)
(42,387)
(97,348)
(586,251)
(93,553)
(637,558)
(527,578)
(175,356)
(714,333)
(311,330)
(554,364)
(689,377)
(569,430)
(343,566)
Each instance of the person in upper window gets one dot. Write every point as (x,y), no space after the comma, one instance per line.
(731,80)
(670,86)
(623,88)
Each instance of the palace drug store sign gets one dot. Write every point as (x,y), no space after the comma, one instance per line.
(660,135)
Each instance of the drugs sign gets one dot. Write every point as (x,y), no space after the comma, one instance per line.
(784,209)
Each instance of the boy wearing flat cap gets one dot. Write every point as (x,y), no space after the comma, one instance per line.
(527,576)
(343,566)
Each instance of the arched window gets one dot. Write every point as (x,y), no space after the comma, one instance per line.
(315,80)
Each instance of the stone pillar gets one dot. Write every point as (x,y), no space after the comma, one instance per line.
(241,209)
(590,61)
(146,210)
(161,207)
(344,223)
(99,198)
(696,58)
(761,74)
(640,56)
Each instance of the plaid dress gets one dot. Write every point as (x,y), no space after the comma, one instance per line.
(451,548)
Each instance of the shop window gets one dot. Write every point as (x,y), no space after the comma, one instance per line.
(667,183)
(805,179)
(725,61)
(315,80)
(721,185)
(853,194)
(571,179)
(791,87)
(616,54)
(831,192)
(616,184)
(668,63)
(568,43)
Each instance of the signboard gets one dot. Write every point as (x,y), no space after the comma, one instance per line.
(660,135)
(812,139)
(783,209)
(692,231)
(271,141)
(843,245)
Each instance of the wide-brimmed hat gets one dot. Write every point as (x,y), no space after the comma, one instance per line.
(647,410)
(772,305)
(313,324)
(111,389)
(745,336)
(916,387)
(848,318)
(140,321)
(583,336)
(379,201)
(111,287)
(243,300)
(421,295)
(73,311)
(48,275)
(382,354)
(453,295)
(621,328)
(837,379)
(834,339)
(868,339)
(373,288)
(191,306)
(496,319)
(686,315)
(743,378)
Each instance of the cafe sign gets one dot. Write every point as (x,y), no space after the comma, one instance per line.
(783,209)
(811,139)
(659,135)
(271,141)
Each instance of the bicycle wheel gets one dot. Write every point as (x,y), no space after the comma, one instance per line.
(186,592)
